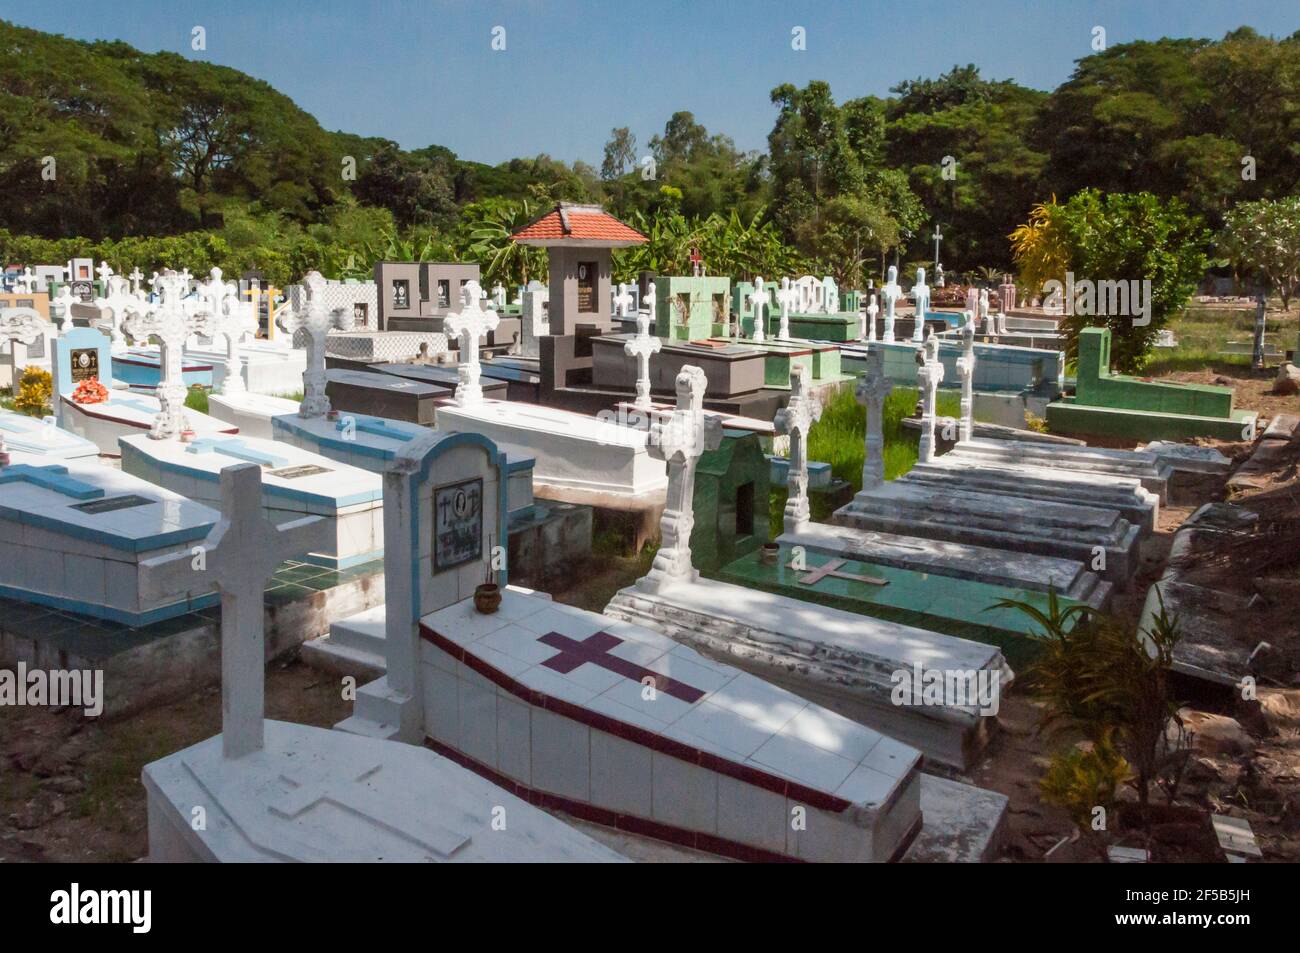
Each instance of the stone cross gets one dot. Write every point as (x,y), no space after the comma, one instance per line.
(120,303)
(64,301)
(966,368)
(832,568)
(1006,294)
(316,320)
(873,387)
(873,309)
(233,319)
(680,439)
(972,299)
(104,271)
(938,237)
(469,325)
(499,295)
(622,301)
(25,281)
(928,377)
(240,553)
(172,321)
(890,293)
(785,297)
(758,298)
(136,277)
(920,294)
(641,347)
(796,419)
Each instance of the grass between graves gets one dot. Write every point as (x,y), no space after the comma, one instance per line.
(1203,333)
(197,399)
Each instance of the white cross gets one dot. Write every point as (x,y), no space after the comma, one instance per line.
(872,389)
(966,368)
(317,320)
(25,281)
(985,315)
(238,556)
(136,278)
(786,299)
(891,292)
(641,347)
(104,272)
(64,301)
(499,295)
(973,300)
(928,377)
(469,325)
(172,321)
(648,302)
(120,303)
(796,419)
(622,301)
(873,309)
(680,439)
(234,319)
(758,298)
(938,236)
(921,294)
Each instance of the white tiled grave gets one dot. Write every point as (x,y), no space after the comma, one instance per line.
(1015,569)
(958,475)
(76,532)
(615,723)
(315,795)
(127,414)
(267,368)
(42,437)
(251,413)
(295,483)
(1149,468)
(998,521)
(847,662)
(573,451)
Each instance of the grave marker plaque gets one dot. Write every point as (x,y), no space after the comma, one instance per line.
(401,295)
(85,363)
(586,286)
(299,471)
(113,503)
(457,524)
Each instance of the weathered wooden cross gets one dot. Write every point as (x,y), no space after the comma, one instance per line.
(317,320)
(796,419)
(469,325)
(238,556)
(831,569)
(172,321)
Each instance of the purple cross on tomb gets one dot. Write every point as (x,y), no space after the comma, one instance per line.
(595,649)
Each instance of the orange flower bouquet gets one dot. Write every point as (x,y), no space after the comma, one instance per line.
(90,391)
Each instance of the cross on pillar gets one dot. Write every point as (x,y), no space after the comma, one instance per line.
(938,237)
(623,301)
(136,277)
(928,376)
(890,293)
(966,368)
(233,319)
(469,325)
(758,298)
(317,320)
(104,271)
(172,321)
(25,281)
(238,556)
(796,419)
(120,304)
(872,389)
(64,301)
(785,298)
(869,335)
(921,295)
(594,650)
(680,440)
(697,262)
(641,347)
(831,569)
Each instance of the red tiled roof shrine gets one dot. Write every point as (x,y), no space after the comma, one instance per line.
(588,225)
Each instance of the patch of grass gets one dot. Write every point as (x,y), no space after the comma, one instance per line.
(1203,333)
(197,399)
(292,395)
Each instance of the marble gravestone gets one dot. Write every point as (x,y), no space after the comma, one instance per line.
(275,791)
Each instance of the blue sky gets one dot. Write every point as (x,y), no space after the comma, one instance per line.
(424,72)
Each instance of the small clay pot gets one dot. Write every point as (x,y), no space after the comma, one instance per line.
(487,598)
(769,553)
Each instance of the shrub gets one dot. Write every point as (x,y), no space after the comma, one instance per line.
(35,391)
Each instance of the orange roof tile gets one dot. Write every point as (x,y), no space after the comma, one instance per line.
(583,223)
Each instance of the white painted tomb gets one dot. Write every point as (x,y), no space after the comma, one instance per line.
(1148,468)
(76,533)
(275,791)
(42,437)
(295,483)
(83,353)
(24,342)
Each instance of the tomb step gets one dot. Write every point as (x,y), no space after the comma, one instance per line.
(363,631)
(324,654)
(1140,465)
(963,824)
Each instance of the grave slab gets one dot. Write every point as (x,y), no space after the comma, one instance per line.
(381,395)
(1153,472)
(42,438)
(444,376)
(83,529)
(141,368)
(250,413)
(296,483)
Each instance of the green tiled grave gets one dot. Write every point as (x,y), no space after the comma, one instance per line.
(958,607)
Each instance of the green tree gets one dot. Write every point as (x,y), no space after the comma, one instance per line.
(1263,239)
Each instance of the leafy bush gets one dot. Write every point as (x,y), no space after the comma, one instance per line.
(1084,779)
(35,391)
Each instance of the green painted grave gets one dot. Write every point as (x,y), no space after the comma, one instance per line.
(730,502)
(691,308)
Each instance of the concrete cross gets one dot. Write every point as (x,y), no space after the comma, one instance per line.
(136,277)
(873,309)
(172,322)
(316,320)
(680,440)
(758,298)
(831,568)
(64,301)
(104,271)
(966,368)
(928,377)
(469,325)
(921,295)
(697,262)
(25,281)
(890,293)
(232,319)
(648,302)
(499,295)
(120,303)
(972,300)
(641,347)
(938,237)
(785,297)
(52,477)
(594,650)
(985,317)
(872,389)
(238,556)
(623,301)
(232,447)
(796,419)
